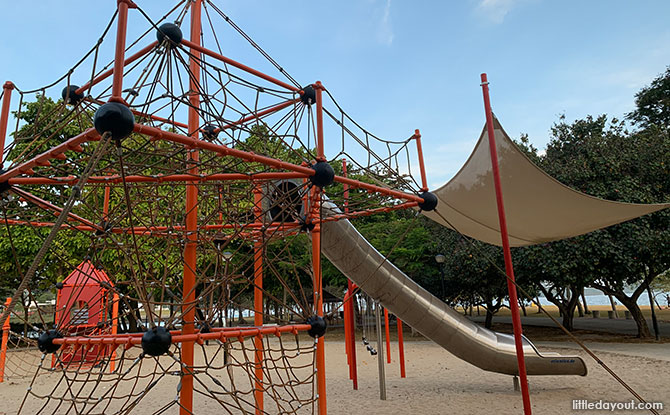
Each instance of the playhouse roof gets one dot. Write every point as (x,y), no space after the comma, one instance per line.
(538,207)
(87,274)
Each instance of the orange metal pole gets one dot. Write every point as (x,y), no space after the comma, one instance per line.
(258,304)
(320,156)
(419,150)
(72,144)
(347,299)
(105,204)
(316,258)
(115,327)
(4,117)
(352,337)
(5,339)
(509,268)
(238,65)
(345,308)
(190,250)
(401,349)
(109,72)
(318,302)
(119,56)
(388,335)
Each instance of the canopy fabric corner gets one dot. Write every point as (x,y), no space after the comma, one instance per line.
(538,208)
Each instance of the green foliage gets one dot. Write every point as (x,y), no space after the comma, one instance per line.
(653,104)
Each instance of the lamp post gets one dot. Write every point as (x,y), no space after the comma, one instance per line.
(441,259)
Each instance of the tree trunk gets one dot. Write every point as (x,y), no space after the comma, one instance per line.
(580,310)
(523,307)
(133,316)
(488,322)
(613,304)
(586,306)
(630,302)
(636,313)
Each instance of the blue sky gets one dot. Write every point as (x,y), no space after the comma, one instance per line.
(399,65)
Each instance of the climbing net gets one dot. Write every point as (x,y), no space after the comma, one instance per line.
(177,196)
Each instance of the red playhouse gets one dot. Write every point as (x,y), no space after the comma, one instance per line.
(86,305)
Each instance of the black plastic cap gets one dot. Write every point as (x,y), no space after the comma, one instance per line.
(106,227)
(429,201)
(45,341)
(309,95)
(59,285)
(171,31)
(318,328)
(156,342)
(205,328)
(306,226)
(115,118)
(4,186)
(324,175)
(209,132)
(70,95)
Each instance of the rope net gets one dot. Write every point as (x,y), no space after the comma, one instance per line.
(112,221)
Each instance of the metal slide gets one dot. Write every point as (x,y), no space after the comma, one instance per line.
(363,264)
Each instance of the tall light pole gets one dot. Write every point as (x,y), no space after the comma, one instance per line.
(441,259)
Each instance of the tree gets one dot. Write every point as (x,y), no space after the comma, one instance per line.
(653,104)
(602,159)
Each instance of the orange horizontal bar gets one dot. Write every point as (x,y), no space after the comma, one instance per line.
(109,72)
(144,115)
(260,114)
(70,180)
(379,189)
(159,134)
(133,339)
(70,144)
(238,65)
(49,206)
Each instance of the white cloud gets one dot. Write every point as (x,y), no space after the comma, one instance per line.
(495,10)
(385,28)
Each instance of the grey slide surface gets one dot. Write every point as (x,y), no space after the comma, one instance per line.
(356,258)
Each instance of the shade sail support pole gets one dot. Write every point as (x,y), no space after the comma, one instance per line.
(509,268)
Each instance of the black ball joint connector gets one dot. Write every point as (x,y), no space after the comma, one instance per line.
(156,342)
(170,31)
(45,341)
(318,328)
(429,201)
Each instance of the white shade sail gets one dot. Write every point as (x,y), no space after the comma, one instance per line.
(538,207)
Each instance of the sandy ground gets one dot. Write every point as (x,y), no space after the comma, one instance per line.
(436,383)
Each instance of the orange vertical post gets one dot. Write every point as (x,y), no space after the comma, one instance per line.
(345,307)
(318,302)
(509,268)
(320,154)
(190,250)
(5,339)
(119,56)
(388,335)
(115,328)
(352,332)
(349,316)
(105,204)
(316,256)
(401,348)
(4,117)
(419,150)
(258,304)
